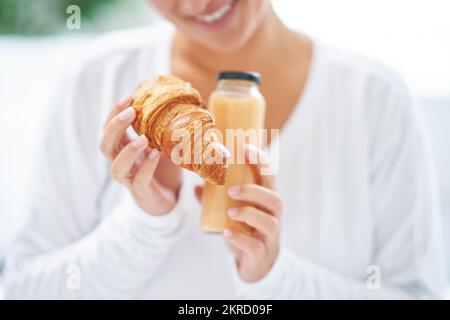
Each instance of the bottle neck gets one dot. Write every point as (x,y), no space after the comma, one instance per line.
(243,87)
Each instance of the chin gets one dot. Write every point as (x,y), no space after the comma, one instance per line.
(224,44)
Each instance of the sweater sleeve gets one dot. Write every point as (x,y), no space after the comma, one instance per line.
(66,250)
(407,253)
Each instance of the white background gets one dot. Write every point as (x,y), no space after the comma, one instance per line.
(413,36)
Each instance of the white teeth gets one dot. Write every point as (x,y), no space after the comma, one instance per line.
(216,15)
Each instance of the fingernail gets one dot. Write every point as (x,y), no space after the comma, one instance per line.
(227,233)
(234,191)
(232,212)
(153,154)
(127,114)
(140,142)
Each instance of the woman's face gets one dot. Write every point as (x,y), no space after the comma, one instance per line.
(221,25)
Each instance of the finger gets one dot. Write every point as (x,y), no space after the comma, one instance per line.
(234,250)
(167,173)
(115,131)
(198,190)
(124,103)
(263,222)
(260,196)
(121,166)
(248,244)
(144,175)
(260,162)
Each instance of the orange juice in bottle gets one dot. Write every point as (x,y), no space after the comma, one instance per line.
(239,110)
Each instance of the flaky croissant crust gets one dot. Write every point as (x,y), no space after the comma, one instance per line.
(167,103)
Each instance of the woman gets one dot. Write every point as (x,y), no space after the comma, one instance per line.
(352,214)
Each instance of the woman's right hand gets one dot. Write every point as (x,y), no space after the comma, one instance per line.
(151,177)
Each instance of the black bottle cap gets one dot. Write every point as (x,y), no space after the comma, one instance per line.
(239,75)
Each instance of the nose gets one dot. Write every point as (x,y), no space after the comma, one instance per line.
(193,7)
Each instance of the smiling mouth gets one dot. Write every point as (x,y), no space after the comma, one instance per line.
(217,15)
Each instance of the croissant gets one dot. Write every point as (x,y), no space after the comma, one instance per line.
(166,104)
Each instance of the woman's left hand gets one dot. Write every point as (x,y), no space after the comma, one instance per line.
(255,253)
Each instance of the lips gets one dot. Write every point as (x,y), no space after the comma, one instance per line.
(217,14)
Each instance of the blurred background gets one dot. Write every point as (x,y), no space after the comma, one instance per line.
(411,36)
